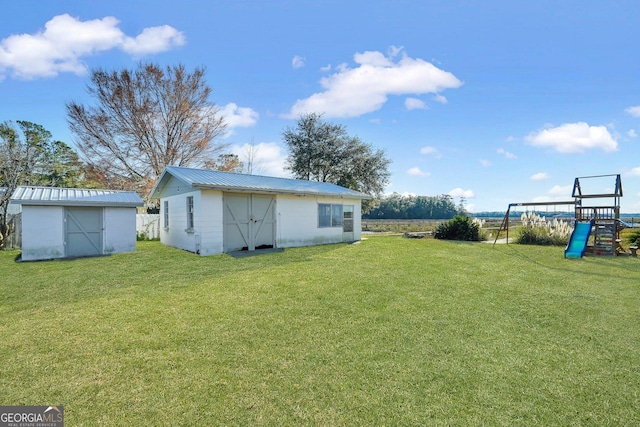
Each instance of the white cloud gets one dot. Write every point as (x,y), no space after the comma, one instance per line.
(351,92)
(429,150)
(634,111)
(507,154)
(414,104)
(561,191)
(269,158)
(574,138)
(325,69)
(440,99)
(485,163)
(298,62)
(540,176)
(236,116)
(152,40)
(634,172)
(415,171)
(632,133)
(393,51)
(65,40)
(459,192)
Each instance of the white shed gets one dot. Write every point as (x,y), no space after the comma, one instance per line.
(74,222)
(210,212)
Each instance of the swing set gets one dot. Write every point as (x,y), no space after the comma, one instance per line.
(597,226)
(505,220)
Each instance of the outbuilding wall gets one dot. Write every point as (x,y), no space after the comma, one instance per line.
(297,221)
(209,220)
(119,230)
(205,237)
(42,232)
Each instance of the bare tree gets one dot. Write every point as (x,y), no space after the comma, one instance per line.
(226,163)
(146,119)
(253,164)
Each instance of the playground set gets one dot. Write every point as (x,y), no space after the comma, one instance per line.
(597,223)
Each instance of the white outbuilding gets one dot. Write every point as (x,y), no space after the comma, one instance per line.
(74,222)
(210,212)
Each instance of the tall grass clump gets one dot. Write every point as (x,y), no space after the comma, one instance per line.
(460,228)
(537,230)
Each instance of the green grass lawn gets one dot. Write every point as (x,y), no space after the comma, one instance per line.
(390,331)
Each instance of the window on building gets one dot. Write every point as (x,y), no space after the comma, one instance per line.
(336,215)
(324,215)
(190,212)
(166,213)
(329,215)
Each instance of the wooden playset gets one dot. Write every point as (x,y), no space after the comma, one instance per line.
(597,223)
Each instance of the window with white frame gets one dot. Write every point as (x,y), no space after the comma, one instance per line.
(190,212)
(166,213)
(329,215)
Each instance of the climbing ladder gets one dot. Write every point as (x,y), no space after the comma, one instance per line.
(605,238)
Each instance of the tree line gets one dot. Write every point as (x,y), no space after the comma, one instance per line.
(397,206)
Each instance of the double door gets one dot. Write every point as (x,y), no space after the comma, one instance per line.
(249,221)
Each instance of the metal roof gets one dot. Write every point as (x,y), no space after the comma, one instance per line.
(49,196)
(226,181)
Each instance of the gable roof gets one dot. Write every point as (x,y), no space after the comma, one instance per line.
(226,181)
(49,196)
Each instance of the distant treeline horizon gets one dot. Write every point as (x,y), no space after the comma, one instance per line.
(397,206)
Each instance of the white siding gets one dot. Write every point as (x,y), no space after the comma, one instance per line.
(297,221)
(176,234)
(206,236)
(42,232)
(119,230)
(209,223)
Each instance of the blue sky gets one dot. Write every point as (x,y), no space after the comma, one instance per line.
(496,101)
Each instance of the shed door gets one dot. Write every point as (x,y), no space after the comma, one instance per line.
(347,223)
(249,222)
(83,231)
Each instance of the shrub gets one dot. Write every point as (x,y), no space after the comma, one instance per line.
(634,237)
(459,228)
